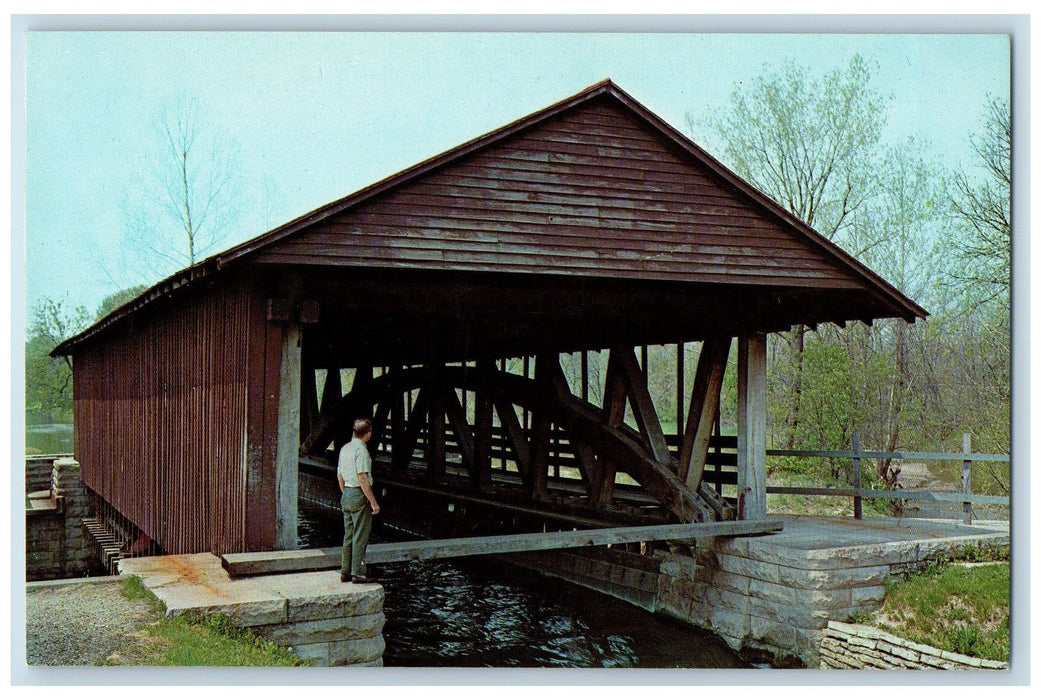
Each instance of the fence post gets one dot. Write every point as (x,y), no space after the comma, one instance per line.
(966,476)
(858,506)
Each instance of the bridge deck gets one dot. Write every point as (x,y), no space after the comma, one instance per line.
(256,563)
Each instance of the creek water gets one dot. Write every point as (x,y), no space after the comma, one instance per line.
(48,438)
(480,612)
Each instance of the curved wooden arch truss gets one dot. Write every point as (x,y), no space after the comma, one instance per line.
(408,402)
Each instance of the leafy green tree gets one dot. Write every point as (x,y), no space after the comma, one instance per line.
(811,144)
(48,380)
(807,142)
(114,301)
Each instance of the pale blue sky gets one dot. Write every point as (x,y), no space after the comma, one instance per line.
(320,115)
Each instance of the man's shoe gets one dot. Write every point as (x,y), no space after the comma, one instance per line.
(362,579)
(344,578)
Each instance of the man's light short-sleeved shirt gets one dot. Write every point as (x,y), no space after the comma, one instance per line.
(354,459)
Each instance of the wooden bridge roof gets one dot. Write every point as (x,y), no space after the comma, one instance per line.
(594,195)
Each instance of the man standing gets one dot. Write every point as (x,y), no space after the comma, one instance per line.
(353,471)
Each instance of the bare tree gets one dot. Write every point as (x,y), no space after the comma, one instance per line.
(187,196)
(981,207)
(906,209)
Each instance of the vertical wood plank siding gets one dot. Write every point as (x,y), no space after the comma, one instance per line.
(590,192)
(161,417)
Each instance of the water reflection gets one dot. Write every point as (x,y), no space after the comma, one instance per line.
(48,439)
(479,612)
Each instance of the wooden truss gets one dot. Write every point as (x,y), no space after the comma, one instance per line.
(408,402)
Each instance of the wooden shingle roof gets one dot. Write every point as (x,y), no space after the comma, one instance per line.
(594,186)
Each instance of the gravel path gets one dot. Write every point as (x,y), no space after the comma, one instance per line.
(79,623)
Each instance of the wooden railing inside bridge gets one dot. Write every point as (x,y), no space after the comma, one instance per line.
(721,470)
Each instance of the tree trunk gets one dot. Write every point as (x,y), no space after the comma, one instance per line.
(896,402)
(791,421)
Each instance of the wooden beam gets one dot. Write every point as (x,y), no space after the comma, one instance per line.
(258,563)
(402,452)
(363,385)
(436,457)
(585,375)
(308,400)
(516,437)
(540,427)
(397,409)
(681,372)
(704,402)
(614,415)
(287,451)
(332,392)
(461,427)
(259,527)
(658,479)
(379,422)
(588,467)
(483,420)
(548,376)
(751,427)
(642,404)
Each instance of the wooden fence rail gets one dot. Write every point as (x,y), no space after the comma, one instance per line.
(966,497)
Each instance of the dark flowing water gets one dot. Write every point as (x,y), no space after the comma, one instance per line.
(478,612)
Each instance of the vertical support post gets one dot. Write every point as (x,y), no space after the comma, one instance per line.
(585,375)
(540,430)
(680,372)
(483,432)
(309,399)
(287,453)
(717,432)
(751,426)
(614,415)
(397,412)
(436,429)
(858,504)
(525,422)
(966,476)
(502,423)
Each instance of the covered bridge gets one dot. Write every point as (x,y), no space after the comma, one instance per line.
(589,225)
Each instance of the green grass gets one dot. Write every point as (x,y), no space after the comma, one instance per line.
(193,640)
(951,607)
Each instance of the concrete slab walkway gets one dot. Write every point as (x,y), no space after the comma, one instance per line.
(818,538)
(312,613)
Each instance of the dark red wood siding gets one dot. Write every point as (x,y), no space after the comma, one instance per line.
(161,421)
(592,191)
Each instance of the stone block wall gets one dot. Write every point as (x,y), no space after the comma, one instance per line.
(56,545)
(341,632)
(38,470)
(849,646)
(614,572)
(763,605)
(775,595)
